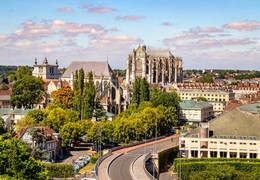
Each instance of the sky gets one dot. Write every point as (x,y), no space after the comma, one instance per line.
(212,34)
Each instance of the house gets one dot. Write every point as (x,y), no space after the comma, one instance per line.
(196,112)
(11,116)
(45,138)
(234,134)
(5,98)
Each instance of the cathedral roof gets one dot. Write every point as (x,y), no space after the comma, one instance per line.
(159,52)
(97,67)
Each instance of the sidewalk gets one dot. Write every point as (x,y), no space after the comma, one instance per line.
(102,169)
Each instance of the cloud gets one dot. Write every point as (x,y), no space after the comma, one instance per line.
(70,28)
(68,9)
(33,30)
(246,26)
(100,10)
(117,41)
(192,35)
(166,24)
(199,29)
(207,43)
(129,18)
(3,37)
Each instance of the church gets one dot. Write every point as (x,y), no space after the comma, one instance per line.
(158,66)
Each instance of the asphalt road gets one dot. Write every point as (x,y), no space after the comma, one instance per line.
(120,167)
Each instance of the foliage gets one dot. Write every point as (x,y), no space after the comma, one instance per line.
(56,118)
(120,72)
(60,170)
(104,128)
(2,126)
(24,122)
(218,168)
(37,115)
(38,151)
(16,162)
(89,94)
(206,78)
(248,75)
(93,159)
(23,71)
(4,86)
(166,99)
(73,131)
(27,91)
(84,94)
(141,90)
(63,97)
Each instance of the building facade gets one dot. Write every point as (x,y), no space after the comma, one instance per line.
(196,112)
(217,98)
(46,70)
(158,66)
(106,83)
(234,134)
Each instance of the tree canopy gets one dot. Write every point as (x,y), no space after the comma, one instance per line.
(27,92)
(17,163)
(23,71)
(63,97)
(206,78)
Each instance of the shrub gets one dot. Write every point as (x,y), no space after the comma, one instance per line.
(60,170)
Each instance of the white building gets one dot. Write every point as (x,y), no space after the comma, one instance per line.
(46,70)
(233,134)
(196,112)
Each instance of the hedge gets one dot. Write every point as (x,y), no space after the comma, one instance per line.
(188,166)
(60,170)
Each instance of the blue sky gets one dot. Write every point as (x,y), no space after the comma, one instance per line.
(205,33)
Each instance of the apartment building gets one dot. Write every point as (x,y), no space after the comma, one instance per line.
(217,98)
(196,112)
(234,134)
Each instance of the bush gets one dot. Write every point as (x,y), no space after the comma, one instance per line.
(194,167)
(60,170)
(93,159)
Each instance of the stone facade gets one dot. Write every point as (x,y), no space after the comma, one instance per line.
(158,66)
(46,70)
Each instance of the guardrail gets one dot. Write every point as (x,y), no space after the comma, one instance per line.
(148,156)
(121,147)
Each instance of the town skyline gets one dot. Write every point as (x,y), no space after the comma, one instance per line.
(207,35)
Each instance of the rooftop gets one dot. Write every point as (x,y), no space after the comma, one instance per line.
(189,104)
(97,67)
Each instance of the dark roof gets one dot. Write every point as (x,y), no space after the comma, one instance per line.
(236,122)
(159,52)
(97,67)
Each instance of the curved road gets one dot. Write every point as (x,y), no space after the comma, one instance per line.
(120,167)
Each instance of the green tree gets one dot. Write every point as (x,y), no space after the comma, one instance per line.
(206,78)
(144,90)
(202,99)
(56,118)
(73,131)
(89,94)
(16,162)
(38,151)
(24,122)
(27,92)
(166,99)
(37,115)
(136,91)
(63,97)
(2,126)
(23,71)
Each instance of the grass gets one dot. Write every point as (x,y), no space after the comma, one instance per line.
(87,168)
